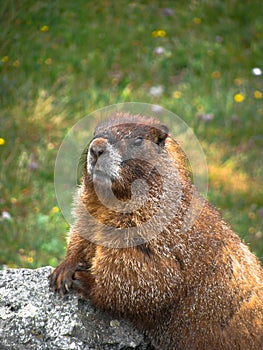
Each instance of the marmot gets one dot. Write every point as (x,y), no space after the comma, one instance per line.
(186,284)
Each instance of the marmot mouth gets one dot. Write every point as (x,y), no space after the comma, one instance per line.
(100,176)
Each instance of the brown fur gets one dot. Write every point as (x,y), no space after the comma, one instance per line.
(196,289)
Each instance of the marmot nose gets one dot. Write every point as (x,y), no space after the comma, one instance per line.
(98,147)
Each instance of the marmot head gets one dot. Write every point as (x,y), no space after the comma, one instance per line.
(134,176)
(124,149)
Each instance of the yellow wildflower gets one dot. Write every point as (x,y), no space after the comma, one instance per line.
(215,75)
(239,98)
(177,95)
(55,210)
(126,91)
(159,33)
(251,215)
(29,259)
(44,29)
(48,61)
(2,141)
(238,81)
(251,230)
(197,20)
(50,145)
(257,94)
(14,200)
(16,64)
(5,59)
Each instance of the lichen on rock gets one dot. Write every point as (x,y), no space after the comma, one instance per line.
(34,317)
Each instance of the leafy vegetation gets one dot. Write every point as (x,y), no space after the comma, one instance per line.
(59,61)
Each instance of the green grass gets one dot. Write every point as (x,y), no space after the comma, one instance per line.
(60,61)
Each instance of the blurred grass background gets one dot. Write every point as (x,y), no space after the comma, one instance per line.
(61,60)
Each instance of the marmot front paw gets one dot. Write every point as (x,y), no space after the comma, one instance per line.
(68,276)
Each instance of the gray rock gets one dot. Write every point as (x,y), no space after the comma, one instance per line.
(34,317)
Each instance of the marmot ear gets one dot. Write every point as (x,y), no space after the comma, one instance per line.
(162,134)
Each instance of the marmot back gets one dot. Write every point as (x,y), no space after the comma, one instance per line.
(136,249)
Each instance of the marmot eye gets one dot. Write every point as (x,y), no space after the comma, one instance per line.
(138,141)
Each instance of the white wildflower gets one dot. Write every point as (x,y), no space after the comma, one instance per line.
(159,50)
(6,216)
(257,71)
(157,109)
(156,90)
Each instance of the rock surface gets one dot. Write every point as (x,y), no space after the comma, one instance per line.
(34,317)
